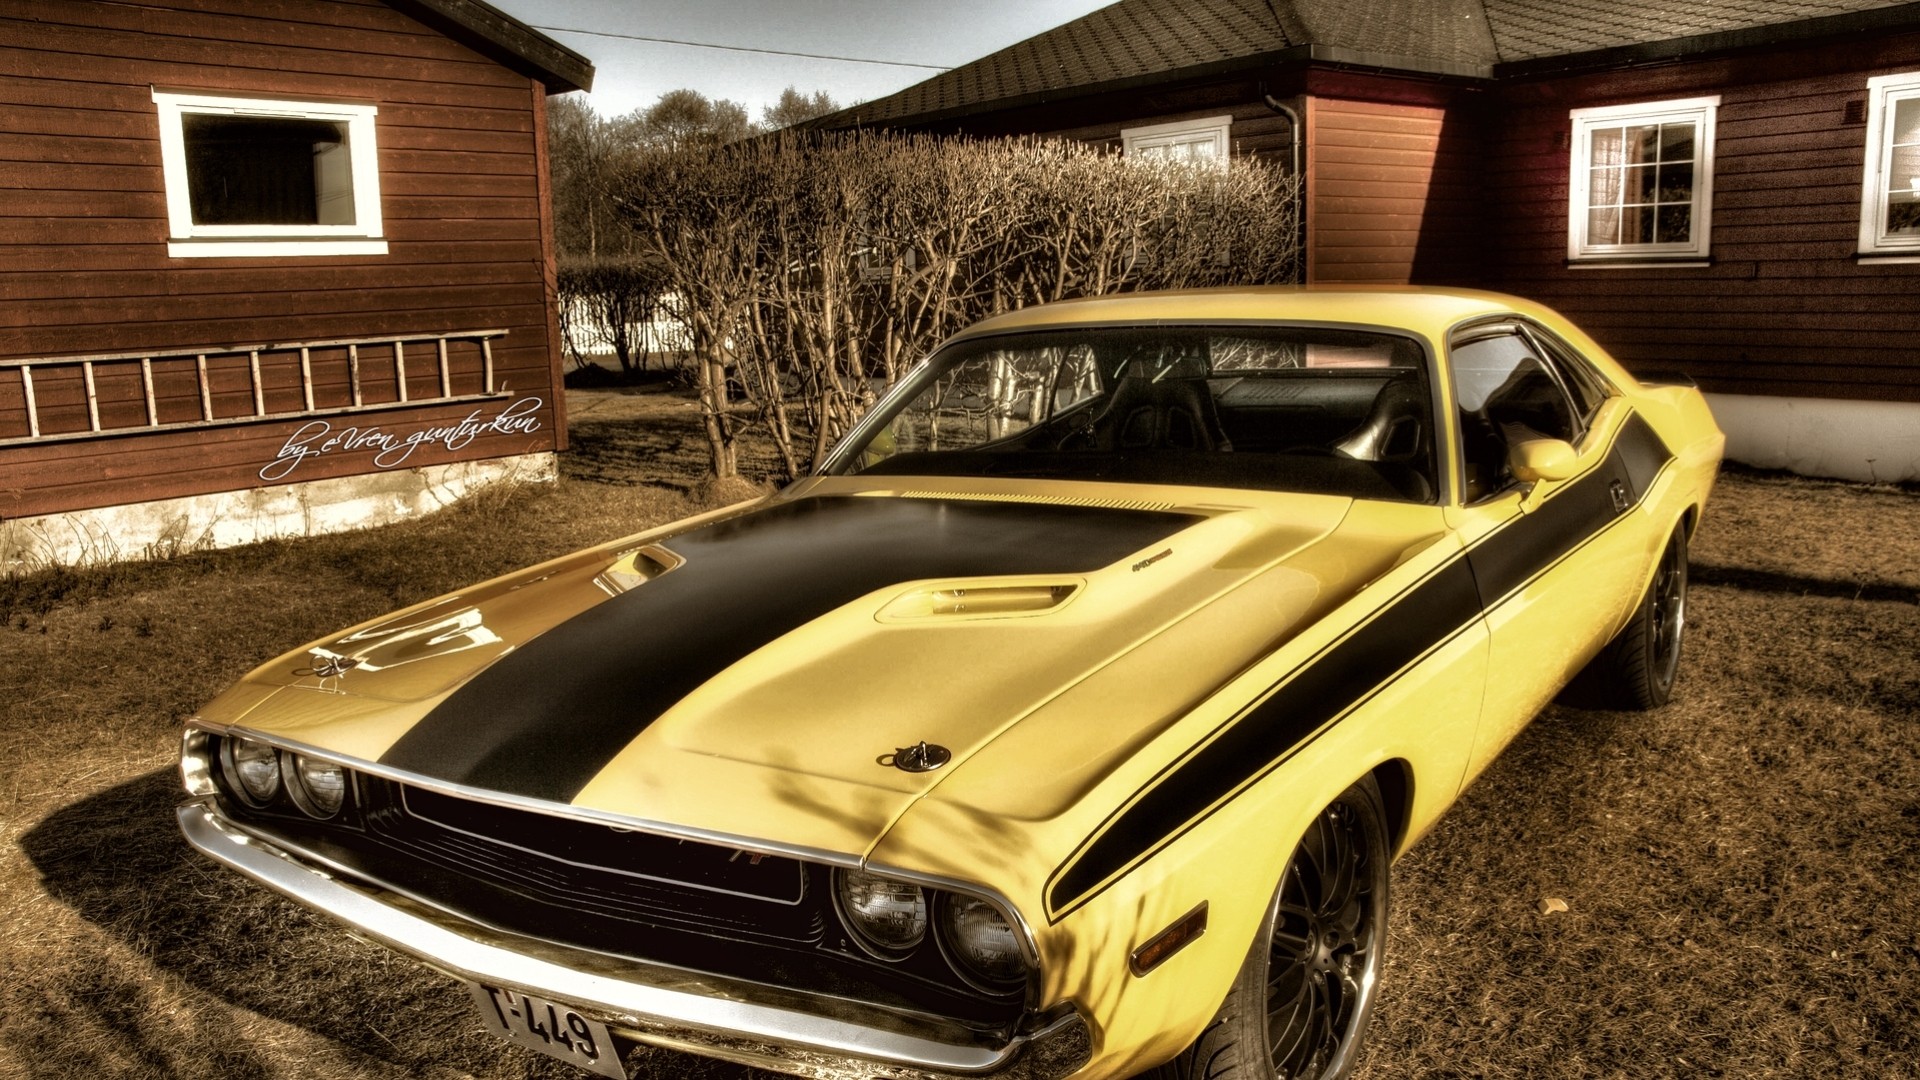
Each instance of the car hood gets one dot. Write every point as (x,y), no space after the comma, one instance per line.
(757,675)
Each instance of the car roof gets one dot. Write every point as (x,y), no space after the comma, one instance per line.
(1423,310)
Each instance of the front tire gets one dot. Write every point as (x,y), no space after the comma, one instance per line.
(1637,669)
(1300,1004)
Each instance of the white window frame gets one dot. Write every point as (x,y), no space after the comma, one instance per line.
(1154,136)
(1701,110)
(1882,92)
(189,240)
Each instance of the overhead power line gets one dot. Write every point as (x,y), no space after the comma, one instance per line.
(743,48)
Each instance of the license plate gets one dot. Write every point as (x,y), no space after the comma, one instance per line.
(552,1029)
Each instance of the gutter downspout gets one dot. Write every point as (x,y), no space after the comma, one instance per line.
(1293,120)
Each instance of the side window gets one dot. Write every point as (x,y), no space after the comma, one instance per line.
(1890,195)
(1641,180)
(1585,386)
(269,178)
(1506,393)
(1204,140)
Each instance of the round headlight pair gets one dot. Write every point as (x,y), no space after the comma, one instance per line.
(890,917)
(255,771)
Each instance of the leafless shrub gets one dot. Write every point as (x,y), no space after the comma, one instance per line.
(809,269)
(611,303)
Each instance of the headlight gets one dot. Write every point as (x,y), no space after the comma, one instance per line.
(885,914)
(980,940)
(252,768)
(319,786)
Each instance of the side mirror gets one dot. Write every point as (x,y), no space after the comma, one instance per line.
(1542,459)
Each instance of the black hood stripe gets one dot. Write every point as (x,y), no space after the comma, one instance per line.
(547,717)
(1351,671)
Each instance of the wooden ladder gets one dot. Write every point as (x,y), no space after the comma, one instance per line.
(89,365)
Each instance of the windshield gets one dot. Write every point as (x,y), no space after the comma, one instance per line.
(1288,408)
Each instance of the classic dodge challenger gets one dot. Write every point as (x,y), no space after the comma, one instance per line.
(1064,722)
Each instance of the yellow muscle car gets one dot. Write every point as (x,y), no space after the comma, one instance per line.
(1063,723)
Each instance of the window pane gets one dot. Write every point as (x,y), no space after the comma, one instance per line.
(1607,146)
(1505,394)
(1903,172)
(1676,183)
(1903,216)
(1906,122)
(1643,143)
(1636,225)
(1603,187)
(1902,177)
(262,170)
(1603,226)
(1640,184)
(1676,142)
(1676,224)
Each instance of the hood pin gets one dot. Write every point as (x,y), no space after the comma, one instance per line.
(920,757)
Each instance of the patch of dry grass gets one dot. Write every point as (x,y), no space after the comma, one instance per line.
(1738,867)
(123,953)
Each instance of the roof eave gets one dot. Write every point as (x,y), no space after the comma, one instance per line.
(1897,17)
(489,30)
(1328,55)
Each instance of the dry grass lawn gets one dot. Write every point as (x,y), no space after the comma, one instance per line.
(1739,869)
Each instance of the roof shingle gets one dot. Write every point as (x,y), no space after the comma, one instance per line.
(1137,39)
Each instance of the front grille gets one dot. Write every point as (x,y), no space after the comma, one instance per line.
(590,869)
(697,906)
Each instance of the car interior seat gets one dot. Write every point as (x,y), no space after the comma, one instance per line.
(1397,436)
(1165,407)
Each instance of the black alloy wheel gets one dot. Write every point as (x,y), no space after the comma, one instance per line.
(1668,617)
(1300,1005)
(1637,669)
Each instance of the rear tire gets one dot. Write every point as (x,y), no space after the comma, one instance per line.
(1300,1004)
(1637,669)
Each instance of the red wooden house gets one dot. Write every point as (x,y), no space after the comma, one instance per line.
(268,267)
(1730,188)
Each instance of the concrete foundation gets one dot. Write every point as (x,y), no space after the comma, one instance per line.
(1847,440)
(171,526)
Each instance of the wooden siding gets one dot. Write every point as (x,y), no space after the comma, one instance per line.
(83,228)
(1394,193)
(1784,308)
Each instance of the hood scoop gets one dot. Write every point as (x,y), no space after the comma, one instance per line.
(633,569)
(971,601)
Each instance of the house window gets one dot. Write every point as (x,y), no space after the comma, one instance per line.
(1890,195)
(1186,140)
(1642,181)
(260,177)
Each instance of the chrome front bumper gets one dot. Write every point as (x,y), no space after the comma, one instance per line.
(628,997)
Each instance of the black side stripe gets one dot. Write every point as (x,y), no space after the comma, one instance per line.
(1507,560)
(1353,670)
(547,717)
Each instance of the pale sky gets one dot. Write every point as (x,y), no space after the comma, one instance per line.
(631,74)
